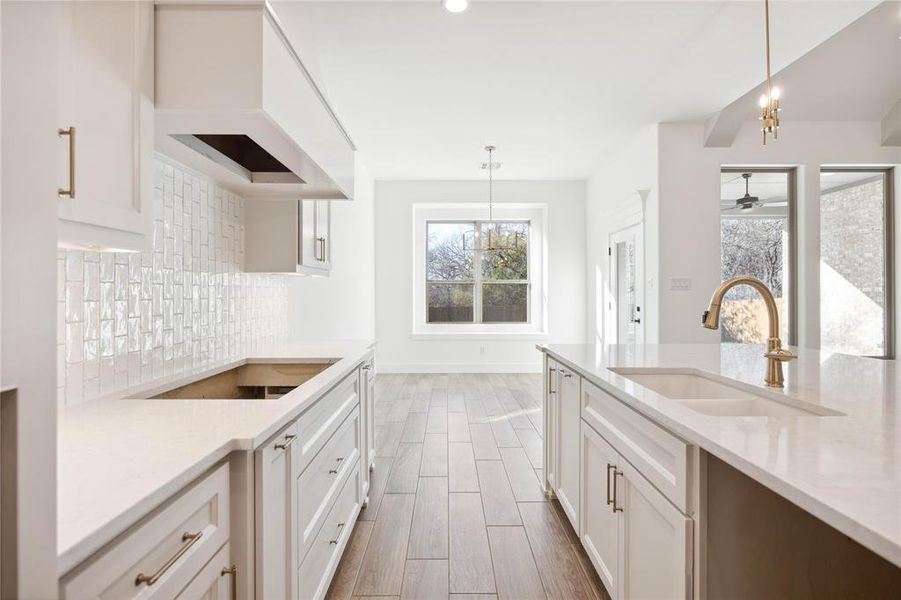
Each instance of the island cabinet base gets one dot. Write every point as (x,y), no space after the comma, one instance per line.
(760,545)
(631,489)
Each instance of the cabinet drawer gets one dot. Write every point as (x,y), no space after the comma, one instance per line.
(212,583)
(321,481)
(202,511)
(659,455)
(317,569)
(317,424)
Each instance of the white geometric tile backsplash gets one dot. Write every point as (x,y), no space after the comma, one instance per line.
(127,318)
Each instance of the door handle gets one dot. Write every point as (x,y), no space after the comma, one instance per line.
(337,464)
(289,439)
(609,499)
(188,539)
(233,572)
(550,381)
(334,540)
(69,193)
(616,473)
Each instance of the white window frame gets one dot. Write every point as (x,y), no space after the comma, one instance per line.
(536,215)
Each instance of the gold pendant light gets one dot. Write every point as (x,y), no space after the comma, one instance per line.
(769,102)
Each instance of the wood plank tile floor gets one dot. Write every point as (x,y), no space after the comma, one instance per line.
(456,508)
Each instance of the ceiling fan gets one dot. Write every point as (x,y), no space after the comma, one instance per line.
(748,202)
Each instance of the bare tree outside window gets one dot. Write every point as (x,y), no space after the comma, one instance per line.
(754,241)
(477,272)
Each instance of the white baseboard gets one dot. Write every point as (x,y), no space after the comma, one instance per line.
(444,367)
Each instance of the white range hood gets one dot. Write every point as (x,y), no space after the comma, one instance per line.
(234,101)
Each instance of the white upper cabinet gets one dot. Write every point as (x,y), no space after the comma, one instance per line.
(106,124)
(287,237)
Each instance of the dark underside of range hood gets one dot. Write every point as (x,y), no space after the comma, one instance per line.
(241,155)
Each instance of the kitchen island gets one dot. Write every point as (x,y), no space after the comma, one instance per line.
(687,420)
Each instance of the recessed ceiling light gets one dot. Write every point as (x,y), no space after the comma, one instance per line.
(456,6)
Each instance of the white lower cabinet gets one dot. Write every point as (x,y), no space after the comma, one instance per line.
(623,482)
(600,531)
(656,540)
(292,511)
(321,561)
(639,542)
(568,434)
(309,490)
(275,512)
(367,429)
(551,408)
(164,554)
(215,581)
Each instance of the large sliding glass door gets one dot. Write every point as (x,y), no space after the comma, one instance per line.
(856,283)
(757,208)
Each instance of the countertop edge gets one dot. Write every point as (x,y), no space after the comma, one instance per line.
(873,540)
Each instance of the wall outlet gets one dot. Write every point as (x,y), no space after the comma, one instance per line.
(482,349)
(680,284)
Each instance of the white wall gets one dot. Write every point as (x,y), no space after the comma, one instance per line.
(341,306)
(689,188)
(398,352)
(613,202)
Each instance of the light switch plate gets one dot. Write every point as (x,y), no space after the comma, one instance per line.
(680,284)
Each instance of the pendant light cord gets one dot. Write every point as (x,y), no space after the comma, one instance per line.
(769,85)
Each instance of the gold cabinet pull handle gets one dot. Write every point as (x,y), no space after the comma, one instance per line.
(609,499)
(190,538)
(69,193)
(335,470)
(337,534)
(289,439)
(233,571)
(550,380)
(616,473)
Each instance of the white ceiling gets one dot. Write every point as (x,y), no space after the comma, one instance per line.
(554,85)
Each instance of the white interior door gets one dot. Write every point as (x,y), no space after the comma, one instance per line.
(626,305)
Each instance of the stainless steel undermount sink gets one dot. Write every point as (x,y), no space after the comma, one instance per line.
(709,396)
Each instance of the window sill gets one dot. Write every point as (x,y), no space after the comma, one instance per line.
(479,335)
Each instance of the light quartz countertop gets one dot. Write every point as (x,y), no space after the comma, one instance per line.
(845,470)
(120,457)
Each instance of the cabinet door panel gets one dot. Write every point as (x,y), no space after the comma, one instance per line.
(106,85)
(551,385)
(309,251)
(600,526)
(276,508)
(212,582)
(568,433)
(656,553)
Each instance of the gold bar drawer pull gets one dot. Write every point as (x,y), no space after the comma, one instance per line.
(337,464)
(289,439)
(190,538)
(334,541)
(69,193)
